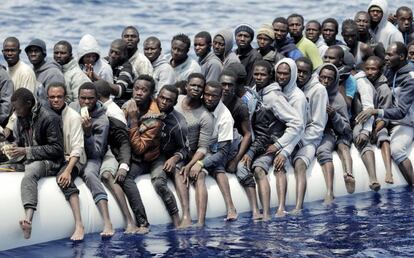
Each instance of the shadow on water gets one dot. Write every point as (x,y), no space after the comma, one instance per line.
(361,225)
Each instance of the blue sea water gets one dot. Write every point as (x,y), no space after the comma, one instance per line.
(362,225)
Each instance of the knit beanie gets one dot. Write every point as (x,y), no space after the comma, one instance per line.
(245,27)
(267,29)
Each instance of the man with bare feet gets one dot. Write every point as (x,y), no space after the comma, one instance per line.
(75,157)
(400,76)
(116,162)
(175,150)
(200,129)
(380,135)
(95,127)
(338,132)
(38,149)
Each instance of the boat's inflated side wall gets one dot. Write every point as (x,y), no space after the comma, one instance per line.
(54,220)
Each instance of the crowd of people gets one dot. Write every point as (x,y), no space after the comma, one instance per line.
(300,95)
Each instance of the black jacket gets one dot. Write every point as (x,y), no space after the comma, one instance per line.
(118,140)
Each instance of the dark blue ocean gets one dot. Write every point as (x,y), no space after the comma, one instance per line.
(362,225)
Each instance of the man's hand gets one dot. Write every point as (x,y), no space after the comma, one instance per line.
(272,149)
(361,139)
(232,166)
(184,172)
(195,170)
(120,175)
(279,162)
(87,126)
(15,152)
(64,179)
(132,110)
(365,115)
(247,161)
(169,165)
(330,110)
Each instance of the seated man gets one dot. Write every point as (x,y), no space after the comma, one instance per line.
(95,127)
(175,150)
(305,151)
(210,64)
(38,149)
(200,128)
(223,45)
(338,132)
(373,68)
(75,157)
(222,148)
(284,44)
(116,162)
(144,121)
(401,113)
(275,125)
(330,29)
(265,38)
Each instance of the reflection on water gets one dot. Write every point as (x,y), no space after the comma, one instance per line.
(361,225)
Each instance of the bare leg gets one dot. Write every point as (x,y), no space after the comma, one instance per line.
(406,169)
(26,223)
(251,195)
(264,191)
(369,161)
(119,194)
(281,185)
(328,174)
(79,232)
(386,156)
(201,198)
(344,154)
(223,183)
(300,175)
(108,231)
(182,192)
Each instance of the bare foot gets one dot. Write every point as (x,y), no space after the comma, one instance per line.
(199,225)
(257,216)
(375,186)
(78,234)
(388,178)
(142,230)
(280,213)
(266,217)
(130,229)
(26,227)
(185,222)
(108,231)
(328,199)
(296,212)
(349,182)
(231,215)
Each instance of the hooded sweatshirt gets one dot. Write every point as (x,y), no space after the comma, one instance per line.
(96,144)
(275,102)
(384,95)
(401,83)
(317,117)
(49,72)
(367,95)
(6,91)
(247,59)
(385,32)
(74,78)
(339,123)
(163,73)
(296,98)
(211,66)
(229,56)
(288,48)
(88,45)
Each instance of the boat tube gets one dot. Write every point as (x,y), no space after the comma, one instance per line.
(54,220)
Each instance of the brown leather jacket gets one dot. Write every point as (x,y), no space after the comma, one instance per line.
(145,139)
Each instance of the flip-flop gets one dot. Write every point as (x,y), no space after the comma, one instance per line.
(349,182)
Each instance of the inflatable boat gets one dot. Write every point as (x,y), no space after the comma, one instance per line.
(53,219)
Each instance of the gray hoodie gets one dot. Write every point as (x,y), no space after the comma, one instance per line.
(384,95)
(88,45)
(229,56)
(296,98)
(274,100)
(74,78)
(367,95)
(163,73)
(339,123)
(211,67)
(96,144)
(49,72)
(385,32)
(6,91)
(317,117)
